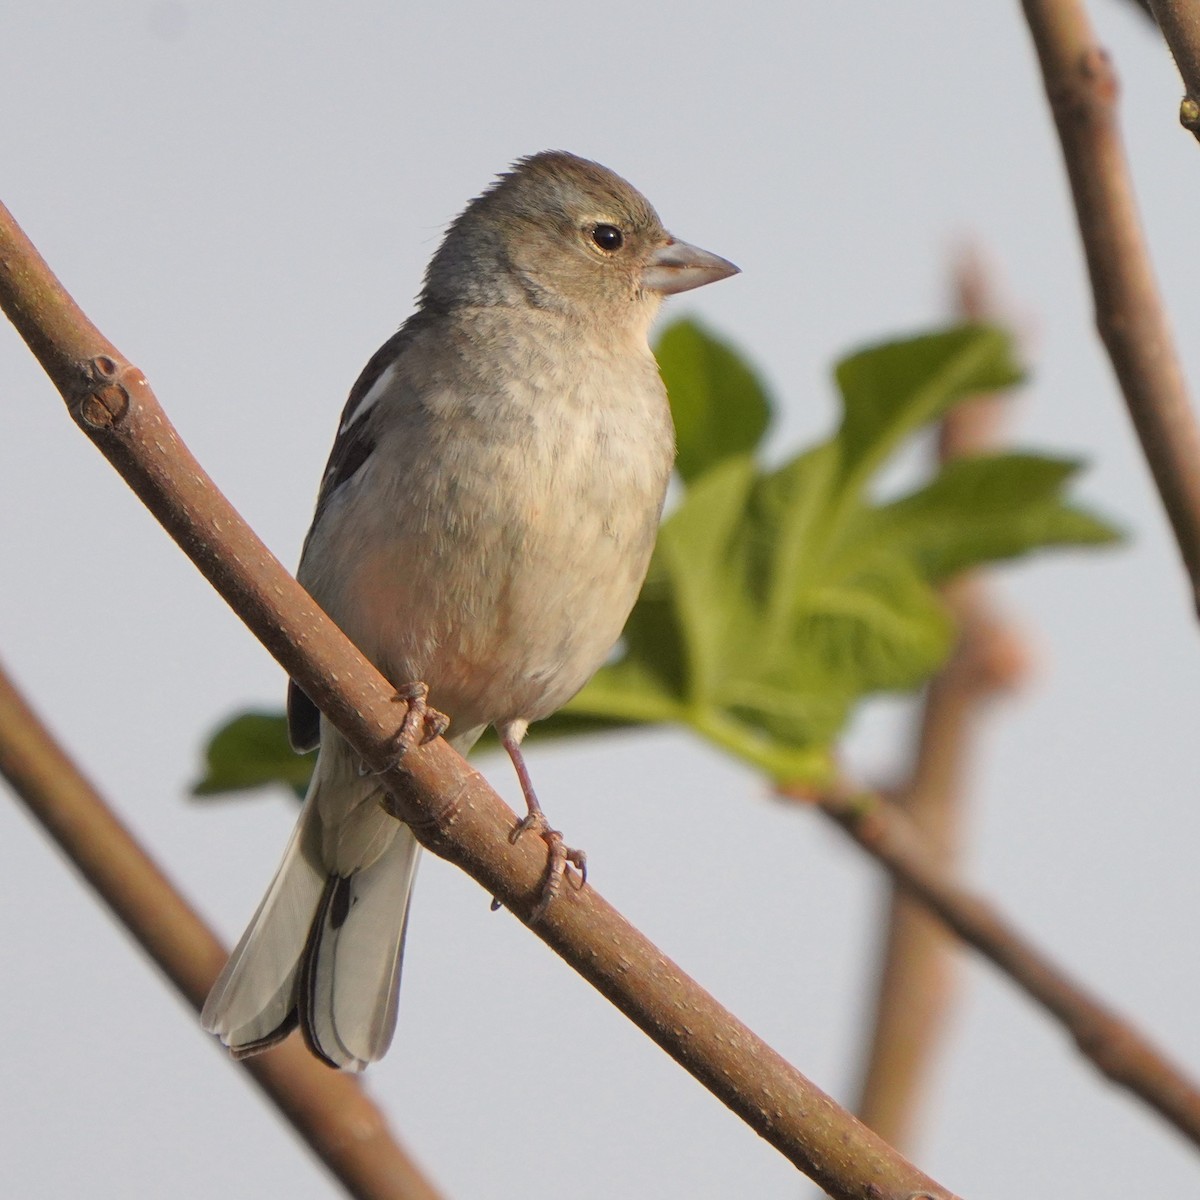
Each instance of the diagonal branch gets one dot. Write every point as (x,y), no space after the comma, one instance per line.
(1179,21)
(449,806)
(329,1111)
(1119,1050)
(1082,89)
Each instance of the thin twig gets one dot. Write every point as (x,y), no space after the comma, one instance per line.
(1120,1051)
(1180,22)
(449,806)
(916,974)
(328,1110)
(1082,89)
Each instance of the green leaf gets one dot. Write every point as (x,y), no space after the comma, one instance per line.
(720,407)
(986,509)
(249,751)
(891,390)
(702,555)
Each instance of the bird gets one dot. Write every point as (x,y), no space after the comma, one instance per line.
(482,530)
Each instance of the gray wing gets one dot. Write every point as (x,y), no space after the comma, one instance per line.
(352,447)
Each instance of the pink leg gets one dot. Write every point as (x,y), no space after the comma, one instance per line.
(535,820)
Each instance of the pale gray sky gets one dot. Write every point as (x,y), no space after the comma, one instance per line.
(243,196)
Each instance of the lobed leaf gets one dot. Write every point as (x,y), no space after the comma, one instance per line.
(719,405)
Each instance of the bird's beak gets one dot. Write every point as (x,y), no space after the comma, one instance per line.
(678,267)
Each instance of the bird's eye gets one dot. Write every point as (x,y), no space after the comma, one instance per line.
(608,237)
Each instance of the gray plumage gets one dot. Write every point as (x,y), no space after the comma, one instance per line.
(484,525)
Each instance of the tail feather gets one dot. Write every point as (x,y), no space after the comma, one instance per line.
(252,1005)
(348,991)
(325,946)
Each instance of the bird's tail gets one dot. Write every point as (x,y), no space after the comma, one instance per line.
(324,949)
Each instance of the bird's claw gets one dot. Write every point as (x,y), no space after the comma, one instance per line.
(421,724)
(560,855)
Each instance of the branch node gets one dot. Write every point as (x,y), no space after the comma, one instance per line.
(1087,91)
(1097,71)
(1189,115)
(104,399)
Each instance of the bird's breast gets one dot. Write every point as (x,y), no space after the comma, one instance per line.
(513,536)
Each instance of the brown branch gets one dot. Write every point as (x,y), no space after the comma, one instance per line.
(450,807)
(1179,21)
(1082,89)
(916,974)
(1113,1044)
(329,1111)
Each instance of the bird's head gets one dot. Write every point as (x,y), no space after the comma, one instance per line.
(560,232)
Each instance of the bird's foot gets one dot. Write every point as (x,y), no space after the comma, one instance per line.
(535,821)
(560,855)
(422,724)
